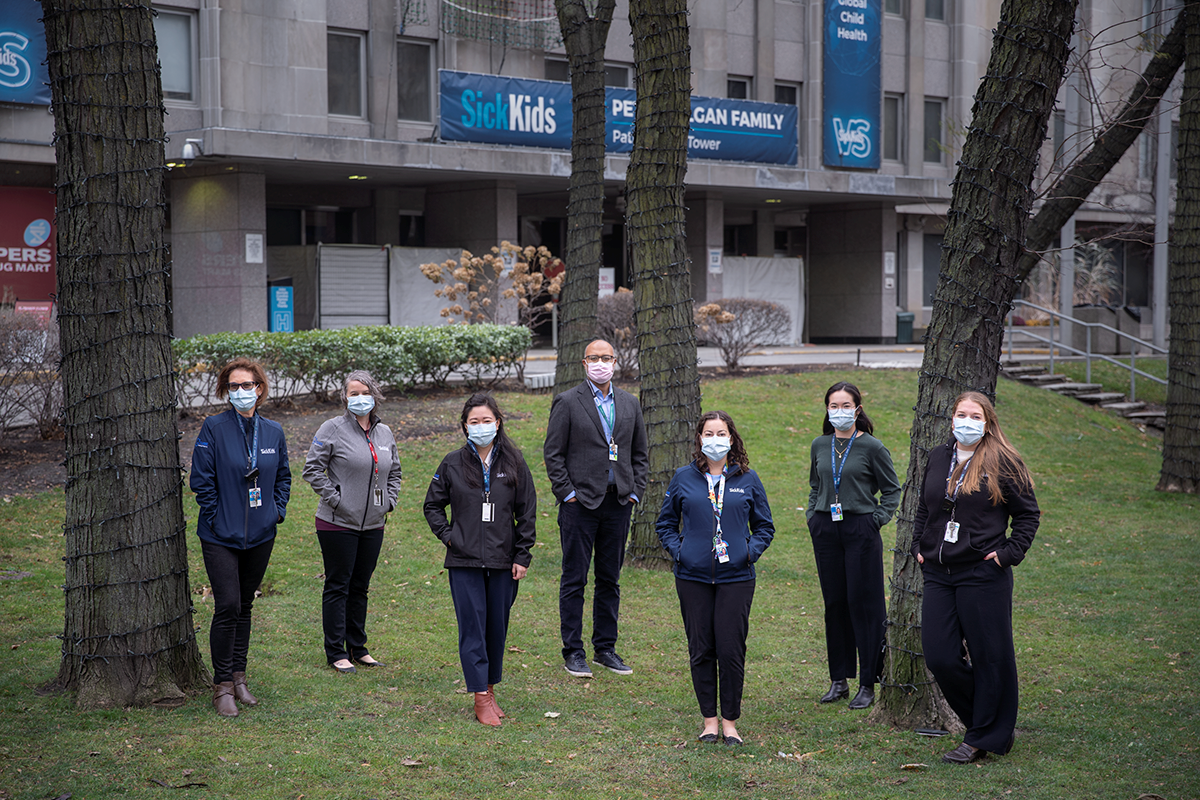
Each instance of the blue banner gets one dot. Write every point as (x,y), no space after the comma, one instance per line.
(852,83)
(23,75)
(533,113)
(282,314)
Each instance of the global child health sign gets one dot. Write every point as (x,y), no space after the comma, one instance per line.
(26,243)
(23,76)
(534,113)
(852,83)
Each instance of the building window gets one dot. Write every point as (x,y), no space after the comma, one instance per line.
(933,131)
(893,126)
(345,73)
(935,9)
(176,33)
(737,88)
(415,75)
(893,7)
(557,70)
(787,94)
(616,76)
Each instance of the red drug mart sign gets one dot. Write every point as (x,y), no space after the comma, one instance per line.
(26,243)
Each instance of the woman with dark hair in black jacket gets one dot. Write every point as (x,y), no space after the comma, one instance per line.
(489,537)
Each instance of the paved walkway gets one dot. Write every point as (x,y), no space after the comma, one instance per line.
(879,356)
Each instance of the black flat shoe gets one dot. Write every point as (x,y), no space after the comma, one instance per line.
(838,690)
(732,741)
(350,670)
(864,698)
(707,738)
(362,663)
(964,754)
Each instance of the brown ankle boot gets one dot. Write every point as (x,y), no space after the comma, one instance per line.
(223,700)
(485,709)
(495,705)
(240,692)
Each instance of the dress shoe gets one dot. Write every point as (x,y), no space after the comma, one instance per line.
(610,659)
(485,709)
(240,692)
(495,705)
(864,698)
(223,700)
(964,754)
(576,665)
(362,662)
(708,738)
(346,670)
(732,741)
(838,690)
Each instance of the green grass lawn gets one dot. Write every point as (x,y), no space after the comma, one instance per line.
(1106,623)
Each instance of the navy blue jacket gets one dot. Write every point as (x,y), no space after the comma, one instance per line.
(686,525)
(219,464)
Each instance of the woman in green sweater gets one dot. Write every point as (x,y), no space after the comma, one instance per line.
(854,492)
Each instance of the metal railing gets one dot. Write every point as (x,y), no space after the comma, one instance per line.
(1087,353)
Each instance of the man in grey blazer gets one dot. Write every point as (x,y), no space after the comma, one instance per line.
(597,461)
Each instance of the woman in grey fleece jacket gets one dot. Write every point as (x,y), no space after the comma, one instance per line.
(354,466)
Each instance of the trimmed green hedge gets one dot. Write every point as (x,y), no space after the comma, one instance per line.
(316,361)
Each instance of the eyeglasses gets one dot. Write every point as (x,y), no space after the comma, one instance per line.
(246,385)
(600,359)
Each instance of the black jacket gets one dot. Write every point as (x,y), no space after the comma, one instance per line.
(983,525)
(471,542)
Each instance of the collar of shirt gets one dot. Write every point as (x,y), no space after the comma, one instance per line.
(599,394)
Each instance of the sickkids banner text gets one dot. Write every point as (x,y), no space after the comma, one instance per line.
(23,75)
(852,83)
(492,109)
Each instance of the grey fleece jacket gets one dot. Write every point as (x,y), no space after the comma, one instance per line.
(341,470)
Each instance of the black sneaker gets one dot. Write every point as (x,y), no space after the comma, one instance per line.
(610,659)
(576,665)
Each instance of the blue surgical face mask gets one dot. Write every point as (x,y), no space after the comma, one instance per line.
(715,447)
(842,418)
(481,435)
(968,431)
(243,399)
(360,404)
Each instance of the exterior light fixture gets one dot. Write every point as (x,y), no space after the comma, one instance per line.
(192,148)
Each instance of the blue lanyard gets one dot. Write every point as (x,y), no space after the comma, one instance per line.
(837,468)
(962,476)
(487,471)
(252,454)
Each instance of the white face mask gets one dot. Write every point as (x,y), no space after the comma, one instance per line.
(600,373)
(842,418)
(715,447)
(968,431)
(482,435)
(360,404)
(243,399)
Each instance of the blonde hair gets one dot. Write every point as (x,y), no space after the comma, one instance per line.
(995,457)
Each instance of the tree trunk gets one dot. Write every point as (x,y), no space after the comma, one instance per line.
(985,229)
(662,282)
(584,38)
(128,637)
(1181,442)
(1072,189)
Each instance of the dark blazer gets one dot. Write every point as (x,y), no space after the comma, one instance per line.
(576,451)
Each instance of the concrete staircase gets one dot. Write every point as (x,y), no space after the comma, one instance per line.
(1091,393)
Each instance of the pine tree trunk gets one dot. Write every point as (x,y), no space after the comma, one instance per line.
(584,37)
(985,230)
(662,282)
(128,636)
(1181,442)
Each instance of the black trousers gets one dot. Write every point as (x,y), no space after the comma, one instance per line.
(974,604)
(234,575)
(716,619)
(350,558)
(584,532)
(850,566)
(483,599)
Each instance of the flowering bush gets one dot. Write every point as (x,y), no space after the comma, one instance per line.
(738,325)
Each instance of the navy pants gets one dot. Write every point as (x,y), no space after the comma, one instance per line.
(974,604)
(482,601)
(234,575)
(602,531)
(350,558)
(716,618)
(850,567)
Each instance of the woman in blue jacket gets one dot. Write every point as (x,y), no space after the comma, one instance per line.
(242,482)
(715,522)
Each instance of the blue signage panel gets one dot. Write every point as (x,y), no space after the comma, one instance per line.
(533,113)
(852,88)
(23,75)
(282,314)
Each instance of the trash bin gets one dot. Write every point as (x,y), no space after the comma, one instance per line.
(904,326)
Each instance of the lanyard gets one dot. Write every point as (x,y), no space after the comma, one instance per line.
(252,452)
(609,418)
(718,502)
(954,463)
(837,468)
(374,457)
(487,471)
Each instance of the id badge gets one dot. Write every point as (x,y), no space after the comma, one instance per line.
(489,512)
(379,497)
(255,497)
(835,510)
(612,451)
(722,552)
(952,532)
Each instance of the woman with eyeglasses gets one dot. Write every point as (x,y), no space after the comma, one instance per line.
(354,467)
(242,481)
(853,492)
(976,485)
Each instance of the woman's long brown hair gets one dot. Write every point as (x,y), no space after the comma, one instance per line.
(994,458)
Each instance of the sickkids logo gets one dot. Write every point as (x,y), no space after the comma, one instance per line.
(851,137)
(15,72)
(511,112)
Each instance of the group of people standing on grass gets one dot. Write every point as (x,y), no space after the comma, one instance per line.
(715,522)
